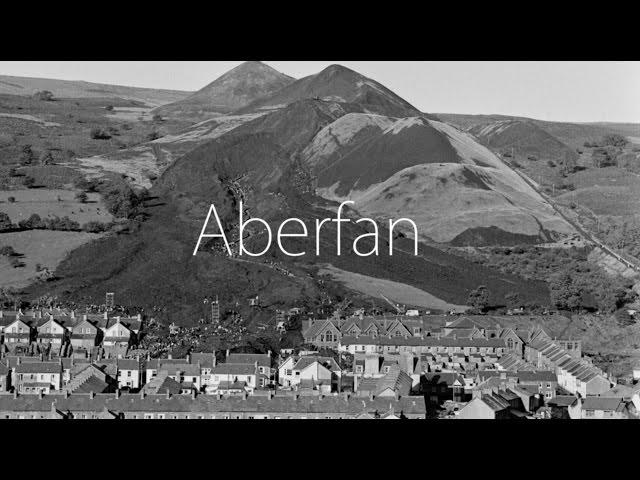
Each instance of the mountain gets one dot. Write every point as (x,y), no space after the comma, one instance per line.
(80,89)
(338,84)
(238,87)
(524,138)
(347,140)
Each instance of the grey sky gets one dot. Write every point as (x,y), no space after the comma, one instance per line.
(570,91)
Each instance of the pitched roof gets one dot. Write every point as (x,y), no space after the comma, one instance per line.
(614,404)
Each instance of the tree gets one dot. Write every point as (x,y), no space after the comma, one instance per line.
(81,197)
(31,223)
(5,222)
(565,293)
(122,201)
(157,117)
(109,108)
(7,251)
(479,298)
(43,96)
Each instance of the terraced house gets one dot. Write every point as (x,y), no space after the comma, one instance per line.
(37,377)
(194,406)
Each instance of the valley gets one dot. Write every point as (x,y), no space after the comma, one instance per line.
(137,169)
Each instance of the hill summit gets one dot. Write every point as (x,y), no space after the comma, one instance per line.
(238,87)
(339,84)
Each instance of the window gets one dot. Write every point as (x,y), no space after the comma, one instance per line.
(589,413)
(328,336)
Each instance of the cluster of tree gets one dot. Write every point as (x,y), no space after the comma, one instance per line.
(583,286)
(35,222)
(613,140)
(479,299)
(9,298)
(622,234)
(123,201)
(43,96)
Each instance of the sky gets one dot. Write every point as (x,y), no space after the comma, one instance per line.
(560,91)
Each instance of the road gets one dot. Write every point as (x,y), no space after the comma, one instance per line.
(575,224)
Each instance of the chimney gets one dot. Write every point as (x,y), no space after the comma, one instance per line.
(270,395)
(141,395)
(245,395)
(117,393)
(15,393)
(66,394)
(170,357)
(92,394)
(193,394)
(168,394)
(40,395)
(105,315)
(371,396)
(227,354)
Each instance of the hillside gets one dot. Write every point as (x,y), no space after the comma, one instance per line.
(431,172)
(154,266)
(237,88)
(27,86)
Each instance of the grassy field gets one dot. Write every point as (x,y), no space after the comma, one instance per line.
(605,191)
(47,248)
(395,291)
(79,89)
(63,126)
(53,202)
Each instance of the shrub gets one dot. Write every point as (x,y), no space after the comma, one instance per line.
(11,199)
(81,197)
(551,163)
(157,117)
(109,108)
(99,134)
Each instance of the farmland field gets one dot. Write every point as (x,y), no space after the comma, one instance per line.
(53,202)
(44,247)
